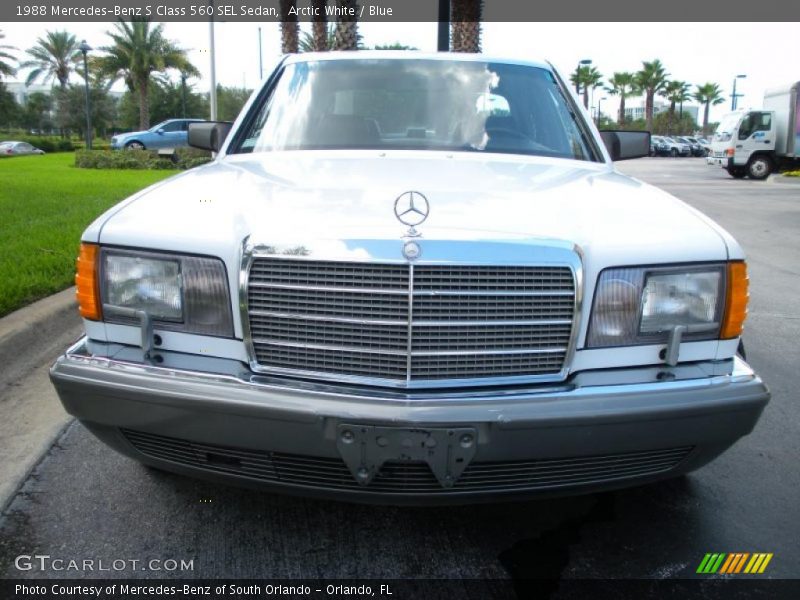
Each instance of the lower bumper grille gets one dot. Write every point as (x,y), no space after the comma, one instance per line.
(326,473)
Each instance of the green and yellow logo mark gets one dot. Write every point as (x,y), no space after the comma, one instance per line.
(734,563)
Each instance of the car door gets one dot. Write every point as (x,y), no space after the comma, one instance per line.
(756,133)
(182,138)
(170,135)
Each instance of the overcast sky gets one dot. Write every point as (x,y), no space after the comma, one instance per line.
(693,52)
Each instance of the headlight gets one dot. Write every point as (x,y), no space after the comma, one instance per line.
(642,305)
(149,284)
(180,293)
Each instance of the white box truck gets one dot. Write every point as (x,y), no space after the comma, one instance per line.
(756,143)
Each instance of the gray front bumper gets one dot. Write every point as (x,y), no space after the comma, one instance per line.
(198,407)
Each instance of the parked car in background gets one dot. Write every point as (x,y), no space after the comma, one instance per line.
(412,278)
(705,145)
(18,149)
(677,148)
(695,147)
(171,133)
(658,146)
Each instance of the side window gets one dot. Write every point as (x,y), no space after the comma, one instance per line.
(763,122)
(174,126)
(754,122)
(746,127)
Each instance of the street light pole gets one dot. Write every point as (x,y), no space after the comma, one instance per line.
(599,110)
(443,30)
(581,63)
(213,74)
(183,93)
(734,95)
(260,59)
(85,48)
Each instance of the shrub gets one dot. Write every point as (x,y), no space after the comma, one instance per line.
(792,173)
(105,159)
(184,158)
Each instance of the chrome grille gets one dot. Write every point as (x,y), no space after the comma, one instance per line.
(409,325)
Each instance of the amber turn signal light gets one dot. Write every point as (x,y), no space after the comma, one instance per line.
(735,301)
(86,282)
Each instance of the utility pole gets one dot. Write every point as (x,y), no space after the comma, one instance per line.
(260,60)
(84,48)
(213,92)
(734,95)
(443,38)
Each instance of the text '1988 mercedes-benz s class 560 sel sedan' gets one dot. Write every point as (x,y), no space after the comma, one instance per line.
(412,278)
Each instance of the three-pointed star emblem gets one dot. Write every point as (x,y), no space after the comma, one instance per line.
(411,208)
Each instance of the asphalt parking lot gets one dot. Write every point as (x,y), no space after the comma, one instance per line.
(83,500)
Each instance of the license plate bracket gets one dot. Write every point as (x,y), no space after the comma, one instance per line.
(447,451)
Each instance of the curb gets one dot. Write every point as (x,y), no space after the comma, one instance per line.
(31,417)
(32,327)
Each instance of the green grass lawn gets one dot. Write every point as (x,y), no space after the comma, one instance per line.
(45,204)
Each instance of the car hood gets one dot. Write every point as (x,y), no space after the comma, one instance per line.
(121,136)
(318,200)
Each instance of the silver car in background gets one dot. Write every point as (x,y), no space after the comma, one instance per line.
(18,149)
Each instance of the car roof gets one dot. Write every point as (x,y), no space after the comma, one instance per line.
(409,54)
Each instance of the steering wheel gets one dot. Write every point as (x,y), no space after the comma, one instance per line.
(508,133)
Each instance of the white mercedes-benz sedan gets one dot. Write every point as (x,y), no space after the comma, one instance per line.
(412,278)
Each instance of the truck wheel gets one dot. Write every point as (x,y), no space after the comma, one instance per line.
(737,172)
(759,167)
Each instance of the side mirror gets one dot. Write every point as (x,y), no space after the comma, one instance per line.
(209,135)
(160,132)
(623,145)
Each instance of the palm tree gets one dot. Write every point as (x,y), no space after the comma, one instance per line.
(677,92)
(651,79)
(55,56)
(465,25)
(290,29)
(320,32)
(138,51)
(624,85)
(5,67)
(347,37)
(309,42)
(708,94)
(586,76)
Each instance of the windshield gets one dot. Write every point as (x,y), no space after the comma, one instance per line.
(161,125)
(416,105)
(726,127)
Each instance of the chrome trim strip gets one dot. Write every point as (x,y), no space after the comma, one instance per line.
(697,377)
(453,323)
(326,288)
(307,317)
(399,292)
(415,384)
(410,329)
(409,352)
(487,323)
